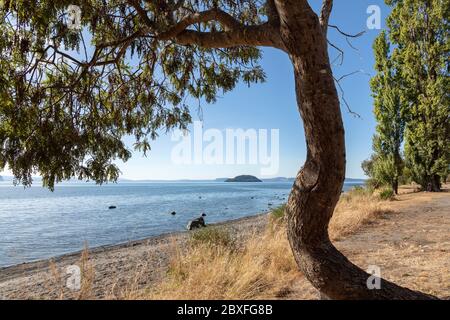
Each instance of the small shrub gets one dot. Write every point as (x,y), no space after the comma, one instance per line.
(387,194)
(360,190)
(357,193)
(372,184)
(212,236)
(278,214)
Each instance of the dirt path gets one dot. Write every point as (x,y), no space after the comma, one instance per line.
(411,246)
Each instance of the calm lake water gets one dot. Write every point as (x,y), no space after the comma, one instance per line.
(36,223)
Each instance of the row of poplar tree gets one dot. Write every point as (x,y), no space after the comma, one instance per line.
(411,97)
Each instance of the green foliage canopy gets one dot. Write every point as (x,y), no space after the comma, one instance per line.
(68,97)
(389,110)
(420,29)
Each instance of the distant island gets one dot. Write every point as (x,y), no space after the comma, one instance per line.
(243,178)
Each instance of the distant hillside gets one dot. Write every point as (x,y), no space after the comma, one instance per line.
(244,178)
(354,180)
(278,179)
(6,178)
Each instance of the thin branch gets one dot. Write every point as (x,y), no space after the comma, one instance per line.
(141,12)
(226,20)
(341,52)
(327,7)
(347,34)
(355,114)
(351,74)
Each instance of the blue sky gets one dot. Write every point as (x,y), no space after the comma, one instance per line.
(272,105)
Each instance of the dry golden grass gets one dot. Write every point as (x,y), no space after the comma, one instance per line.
(87,276)
(57,281)
(262,267)
(355,208)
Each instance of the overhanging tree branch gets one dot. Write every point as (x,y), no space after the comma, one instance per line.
(234,33)
(262,35)
(226,20)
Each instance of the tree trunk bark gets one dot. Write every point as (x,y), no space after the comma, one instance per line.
(433,184)
(436,182)
(319,183)
(395,186)
(398,169)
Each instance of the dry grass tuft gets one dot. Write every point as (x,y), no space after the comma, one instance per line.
(256,269)
(57,283)
(356,208)
(87,276)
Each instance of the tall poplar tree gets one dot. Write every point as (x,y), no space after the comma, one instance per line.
(420,29)
(389,113)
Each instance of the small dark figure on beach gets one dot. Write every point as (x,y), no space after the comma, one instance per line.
(197,223)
